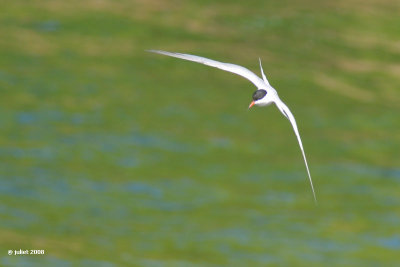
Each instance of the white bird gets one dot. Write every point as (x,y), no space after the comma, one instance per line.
(265,94)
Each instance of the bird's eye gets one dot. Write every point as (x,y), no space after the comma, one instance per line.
(259,94)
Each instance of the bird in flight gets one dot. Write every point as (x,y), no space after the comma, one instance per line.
(263,96)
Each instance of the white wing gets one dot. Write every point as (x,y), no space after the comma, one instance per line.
(286,111)
(239,70)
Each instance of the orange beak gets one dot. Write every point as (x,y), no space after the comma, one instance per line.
(251,104)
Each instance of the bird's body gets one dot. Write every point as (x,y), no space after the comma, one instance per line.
(265,94)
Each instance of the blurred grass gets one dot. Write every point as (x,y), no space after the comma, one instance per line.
(111,155)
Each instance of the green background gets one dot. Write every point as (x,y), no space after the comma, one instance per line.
(112,156)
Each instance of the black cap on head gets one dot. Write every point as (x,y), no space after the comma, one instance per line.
(259,94)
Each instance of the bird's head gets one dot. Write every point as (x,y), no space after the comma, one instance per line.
(260,98)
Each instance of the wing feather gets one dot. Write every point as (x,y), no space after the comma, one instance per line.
(239,70)
(286,112)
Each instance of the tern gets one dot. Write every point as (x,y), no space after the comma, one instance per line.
(263,96)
